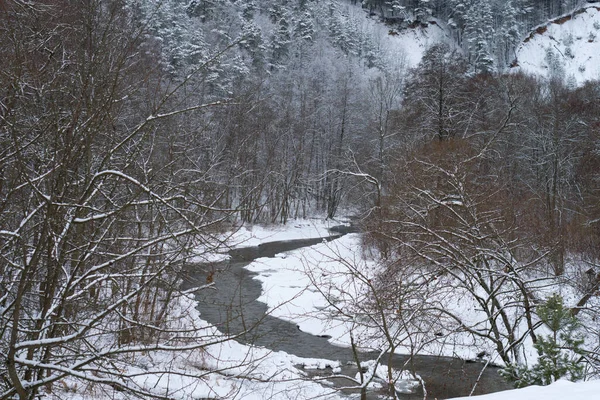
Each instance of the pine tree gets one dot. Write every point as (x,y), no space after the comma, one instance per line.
(435,92)
(371,5)
(508,34)
(395,7)
(253,43)
(559,354)
(421,10)
(458,17)
(479,31)
(206,10)
(277,11)
(304,28)
(248,10)
(280,41)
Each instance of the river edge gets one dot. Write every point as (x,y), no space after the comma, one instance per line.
(233,308)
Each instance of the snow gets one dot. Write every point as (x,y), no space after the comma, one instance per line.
(254,235)
(233,370)
(288,288)
(408,44)
(295,229)
(399,47)
(413,43)
(559,390)
(296,286)
(574,43)
(406,383)
(214,367)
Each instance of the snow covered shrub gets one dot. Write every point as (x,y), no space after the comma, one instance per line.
(559,354)
(555,66)
(569,53)
(568,40)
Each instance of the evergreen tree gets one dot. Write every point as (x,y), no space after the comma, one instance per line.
(458,17)
(421,10)
(253,43)
(559,354)
(479,31)
(280,41)
(304,28)
(343,31)
(435,93)
(277,11)
(508,34)
(395,7)
(206,10)
(248,10)
(373,5)
(168,23)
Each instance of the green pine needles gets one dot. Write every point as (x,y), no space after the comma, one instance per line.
(559,354)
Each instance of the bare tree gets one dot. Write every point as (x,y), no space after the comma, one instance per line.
(452,213)
(385,309)
(434,94)
(99,205)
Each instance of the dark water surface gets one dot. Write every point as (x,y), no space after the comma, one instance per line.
(233,308)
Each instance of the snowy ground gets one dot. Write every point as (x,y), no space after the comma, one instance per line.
(411,44)
(231,370)
(559,390)
(296,286)
(253,235)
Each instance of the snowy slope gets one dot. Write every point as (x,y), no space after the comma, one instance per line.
(559,390)
(568,46)
(400,47)
(413,42)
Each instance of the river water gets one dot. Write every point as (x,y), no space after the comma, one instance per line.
(233,308)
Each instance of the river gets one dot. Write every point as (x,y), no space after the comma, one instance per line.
(233,308)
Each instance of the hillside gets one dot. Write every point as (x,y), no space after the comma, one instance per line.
(567,47)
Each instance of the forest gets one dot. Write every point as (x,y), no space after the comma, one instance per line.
(134,131)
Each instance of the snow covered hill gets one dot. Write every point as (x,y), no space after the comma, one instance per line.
(567,47)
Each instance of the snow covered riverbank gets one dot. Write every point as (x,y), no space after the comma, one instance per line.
(559,390)
(298,286)
(301,286)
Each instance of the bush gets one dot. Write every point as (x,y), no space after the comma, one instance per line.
(559,354)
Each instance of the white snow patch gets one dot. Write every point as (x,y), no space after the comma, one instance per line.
(413,43)
(299,286)
(559,390)
(254,235)
(574,43)
(221,369)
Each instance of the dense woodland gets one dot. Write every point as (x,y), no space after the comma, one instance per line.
(133,131)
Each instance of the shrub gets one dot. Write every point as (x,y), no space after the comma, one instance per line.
(559,354)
